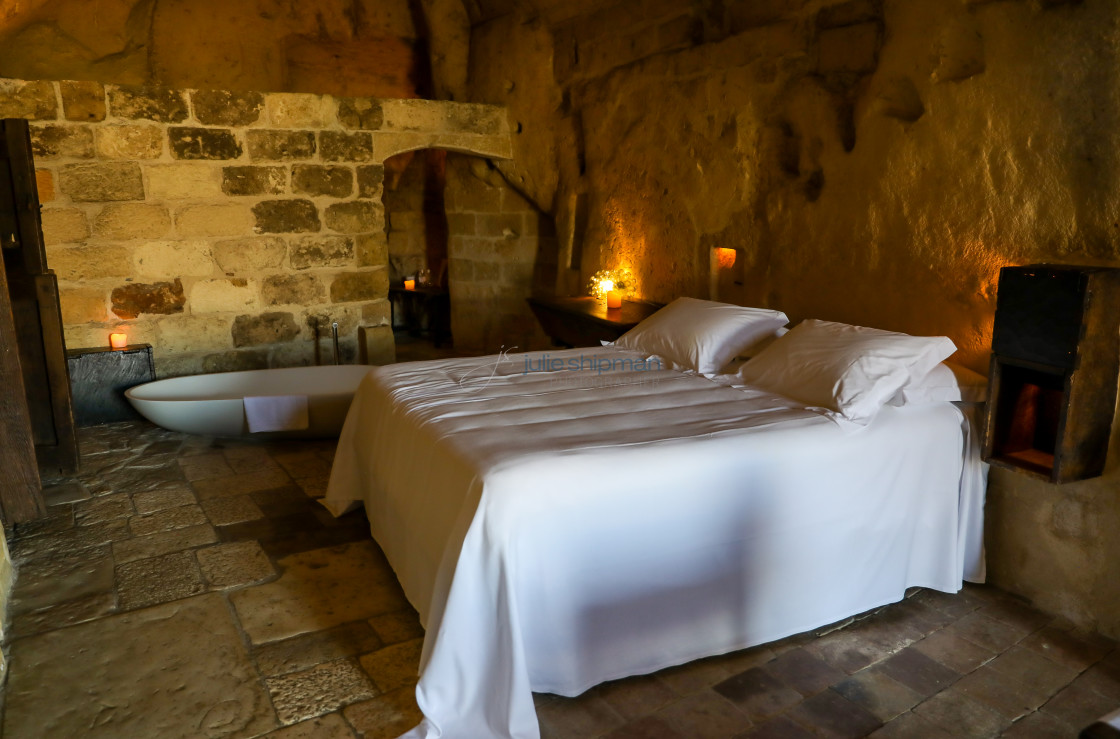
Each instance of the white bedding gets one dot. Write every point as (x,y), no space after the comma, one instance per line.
(558,529)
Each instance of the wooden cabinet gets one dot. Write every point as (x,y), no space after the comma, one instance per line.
(1054,368)
(587,321)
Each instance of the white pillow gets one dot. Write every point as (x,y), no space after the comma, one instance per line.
(848,370)
(947,381)
(700,334)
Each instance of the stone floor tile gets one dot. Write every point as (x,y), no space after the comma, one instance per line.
(637,696)
(803,672)
(308,650)
(955,605)
(851,648)
(831,714)
(695,676)
(954,652)
(1033,669)
(922,616)
(132,479)
(226,511)
(313,487)
(65,491)
(234,565)
(330,726)
(310,538)
(167,520)
(649,727)
(1039,725)
(397,626)
(304,463)
(70,541)
(166,542)
(1015,613)
(64,614)
(744,659)
(1005,695)
(912,726)
(918,672)
(104,508)
(386,716)
(321,689)
(1076,650)
(705,715)
(249,458)
(241,484)
(1079,705)
(958,714)
(58,519)
(205,466)
(146,582)
(568,718)
(286,501)
(779,727)
(1104,677)
(987,632)
(393,667)
(758,694)
(881,696)
(159,500)
(320,589)
(139,677)
(49,581)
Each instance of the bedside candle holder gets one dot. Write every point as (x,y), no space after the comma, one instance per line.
(614,300)
(410,284)
(118,341)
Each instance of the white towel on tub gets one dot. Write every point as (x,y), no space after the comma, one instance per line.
(276,413)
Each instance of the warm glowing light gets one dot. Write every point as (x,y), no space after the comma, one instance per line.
(410,284)
(614,299)
(605,286)
(725,257)
(118,341)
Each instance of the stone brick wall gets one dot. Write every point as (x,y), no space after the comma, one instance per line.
(499,251)
(216,225)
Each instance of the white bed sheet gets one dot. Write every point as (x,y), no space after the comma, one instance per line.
(558,529)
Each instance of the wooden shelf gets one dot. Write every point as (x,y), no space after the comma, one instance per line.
(587,321)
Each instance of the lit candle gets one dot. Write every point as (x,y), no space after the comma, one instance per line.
(614,299)
(118,341)
(410,284)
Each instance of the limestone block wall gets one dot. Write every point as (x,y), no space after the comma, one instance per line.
(500,250)
(218,226)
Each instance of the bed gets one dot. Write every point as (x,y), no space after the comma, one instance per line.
(562,519)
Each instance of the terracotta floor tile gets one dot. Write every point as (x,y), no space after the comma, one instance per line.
(913,726)
(881,696)
(958,714)
(918,672)
(1076,650)
(704,715)
(1033,669)
(758,693)
(650,727)
(780,727)
(636,697)
(803,672)
(1005,695)
(987,632)
(831,714)
(1079,705)
(959,655)
(1039,725)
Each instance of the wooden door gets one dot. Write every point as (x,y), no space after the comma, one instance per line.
(32,293)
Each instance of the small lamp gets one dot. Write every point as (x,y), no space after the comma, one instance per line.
(118,341)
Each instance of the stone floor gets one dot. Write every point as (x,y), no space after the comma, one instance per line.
(191,587)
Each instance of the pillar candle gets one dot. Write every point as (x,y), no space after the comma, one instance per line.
(410,284)
(614,299)
(118,341)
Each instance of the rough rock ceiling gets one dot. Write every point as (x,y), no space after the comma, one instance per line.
(554,12)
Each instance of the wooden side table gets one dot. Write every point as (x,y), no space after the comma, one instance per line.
(586,321)
(423,311)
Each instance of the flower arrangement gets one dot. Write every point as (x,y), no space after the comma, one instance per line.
(605,280)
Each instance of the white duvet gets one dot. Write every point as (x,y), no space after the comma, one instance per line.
(560,520)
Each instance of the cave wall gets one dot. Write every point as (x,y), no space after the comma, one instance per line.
(339,47)
(871,161)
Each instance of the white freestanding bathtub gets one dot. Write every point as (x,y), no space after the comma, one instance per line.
(213,405)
